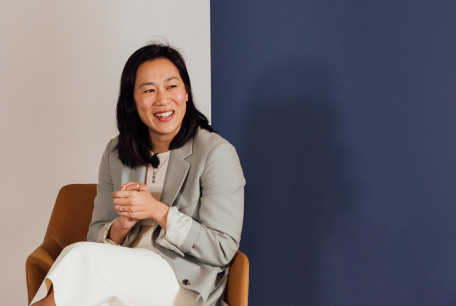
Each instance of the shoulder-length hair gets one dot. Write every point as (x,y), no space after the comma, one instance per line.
(134,143)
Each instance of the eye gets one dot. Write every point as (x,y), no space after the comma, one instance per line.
(172,86)
(150,90)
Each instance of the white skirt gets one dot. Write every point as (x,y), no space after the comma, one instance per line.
(98,274)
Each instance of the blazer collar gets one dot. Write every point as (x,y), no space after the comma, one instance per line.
(176,173)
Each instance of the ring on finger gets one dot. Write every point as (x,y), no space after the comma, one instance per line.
(120,209)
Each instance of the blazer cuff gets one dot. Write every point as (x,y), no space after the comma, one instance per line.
(191,237)
(131,236)
(178,226)
(105,230)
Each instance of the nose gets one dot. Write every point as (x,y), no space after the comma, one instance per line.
(162,98)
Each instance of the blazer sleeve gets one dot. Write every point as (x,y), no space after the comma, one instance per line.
(103,206)
(215,237)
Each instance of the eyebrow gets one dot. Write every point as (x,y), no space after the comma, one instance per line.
(152,83)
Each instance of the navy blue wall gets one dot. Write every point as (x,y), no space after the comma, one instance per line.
(343,114)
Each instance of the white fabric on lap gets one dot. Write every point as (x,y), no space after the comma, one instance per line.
(95,274)
(102,274)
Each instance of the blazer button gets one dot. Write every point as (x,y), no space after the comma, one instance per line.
(186,282)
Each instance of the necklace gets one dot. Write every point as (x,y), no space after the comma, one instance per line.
(155,165)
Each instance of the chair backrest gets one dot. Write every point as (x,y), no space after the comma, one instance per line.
(72,214)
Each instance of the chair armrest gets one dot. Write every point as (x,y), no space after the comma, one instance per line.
(41,259)
(36,267)
(237,290)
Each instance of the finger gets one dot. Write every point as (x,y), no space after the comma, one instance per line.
(133,187)
(130,215)
(121,201)
(139,188)
(136,186)
(124,208)
(121,194)
(129,183)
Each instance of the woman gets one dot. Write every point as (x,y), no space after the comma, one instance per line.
(170,199)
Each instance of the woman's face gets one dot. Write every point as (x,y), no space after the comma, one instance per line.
(160,96)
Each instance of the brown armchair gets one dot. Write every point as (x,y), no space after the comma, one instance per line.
(69,223)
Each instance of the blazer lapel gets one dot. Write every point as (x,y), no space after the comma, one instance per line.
(133,175)
(176,173)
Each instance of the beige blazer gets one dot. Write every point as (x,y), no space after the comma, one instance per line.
(204,180)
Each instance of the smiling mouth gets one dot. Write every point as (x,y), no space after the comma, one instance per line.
(164,115)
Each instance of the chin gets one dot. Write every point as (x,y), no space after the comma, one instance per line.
(169,131)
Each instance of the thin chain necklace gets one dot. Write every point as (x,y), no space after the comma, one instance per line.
(154,172)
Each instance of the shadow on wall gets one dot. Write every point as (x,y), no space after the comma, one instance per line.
(297,183)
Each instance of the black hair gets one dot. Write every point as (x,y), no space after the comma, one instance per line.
(134,143)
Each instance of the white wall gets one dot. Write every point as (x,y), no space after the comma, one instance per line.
(60,69)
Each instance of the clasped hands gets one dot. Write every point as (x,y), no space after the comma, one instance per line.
(137,203)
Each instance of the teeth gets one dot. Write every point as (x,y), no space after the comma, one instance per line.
(164,114)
